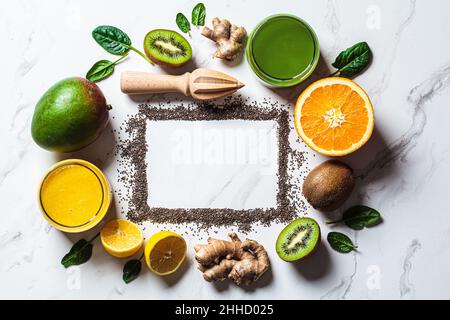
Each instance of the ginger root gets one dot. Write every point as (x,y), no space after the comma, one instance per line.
(241,262)
(227,36)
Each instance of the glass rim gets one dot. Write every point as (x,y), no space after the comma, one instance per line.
(104,202)
(282,82)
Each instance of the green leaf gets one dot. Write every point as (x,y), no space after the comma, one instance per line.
(112,39)
(199,15)
(115,41)
(360,217)
(353,60)
(183,23)
(80,253)
(102,69)
(131,270)
(340,242)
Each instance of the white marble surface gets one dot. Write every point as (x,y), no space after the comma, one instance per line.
(212,164)
(402,170)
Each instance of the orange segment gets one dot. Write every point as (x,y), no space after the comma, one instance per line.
(121,238)
(334,116)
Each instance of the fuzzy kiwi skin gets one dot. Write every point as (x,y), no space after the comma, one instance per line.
(329,185)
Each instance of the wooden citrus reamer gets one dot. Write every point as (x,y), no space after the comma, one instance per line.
(201,84)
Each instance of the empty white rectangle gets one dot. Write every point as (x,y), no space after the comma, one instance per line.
(212,164)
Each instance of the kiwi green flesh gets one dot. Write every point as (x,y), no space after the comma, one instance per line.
(298,239)
(167,47)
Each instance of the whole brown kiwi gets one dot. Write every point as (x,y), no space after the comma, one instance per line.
(328,185)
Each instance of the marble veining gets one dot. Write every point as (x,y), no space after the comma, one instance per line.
(418,97)
(341,290)
(403,170)
(332,21)
(406,287)
(386,77)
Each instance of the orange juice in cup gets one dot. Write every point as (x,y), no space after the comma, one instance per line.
(74,195)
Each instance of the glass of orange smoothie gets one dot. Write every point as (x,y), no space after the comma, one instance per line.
(74,195)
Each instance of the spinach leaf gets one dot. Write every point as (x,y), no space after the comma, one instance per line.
(183,23)
(80,253)
(112,39)
(102,69)
(360,217)
(199,15)
(115,41)
(131,270)
(353,60)
(340,242)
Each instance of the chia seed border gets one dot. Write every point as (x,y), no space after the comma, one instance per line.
(134,150)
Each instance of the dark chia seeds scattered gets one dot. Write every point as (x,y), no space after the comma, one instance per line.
(132,148)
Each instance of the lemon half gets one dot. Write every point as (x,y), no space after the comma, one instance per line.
(164,252)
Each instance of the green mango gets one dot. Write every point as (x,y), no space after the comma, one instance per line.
(69,116)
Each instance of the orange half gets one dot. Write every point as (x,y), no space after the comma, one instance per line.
(334,116)
(121,238)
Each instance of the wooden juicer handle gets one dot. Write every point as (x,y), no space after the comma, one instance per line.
(202,84)
(135,82)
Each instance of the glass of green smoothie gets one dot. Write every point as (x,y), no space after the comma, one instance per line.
(283,50)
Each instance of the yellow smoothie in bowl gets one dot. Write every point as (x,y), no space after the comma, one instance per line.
(74,195)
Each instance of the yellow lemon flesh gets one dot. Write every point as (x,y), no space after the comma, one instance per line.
(121,238)
(165,252)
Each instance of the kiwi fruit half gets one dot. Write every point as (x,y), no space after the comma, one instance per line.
(298,239)
(167,48)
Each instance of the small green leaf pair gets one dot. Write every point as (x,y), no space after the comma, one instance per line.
(356,218)
(353,60)
(116,42)
(198,18)
(81,252)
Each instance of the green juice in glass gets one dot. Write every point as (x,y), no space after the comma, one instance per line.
(283,50)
